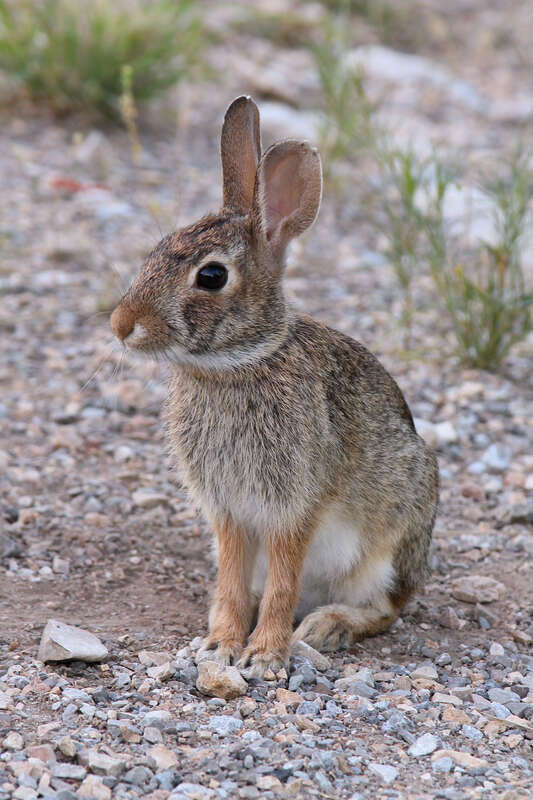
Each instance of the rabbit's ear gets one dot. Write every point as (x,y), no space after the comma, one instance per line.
(240,148)
(287,193)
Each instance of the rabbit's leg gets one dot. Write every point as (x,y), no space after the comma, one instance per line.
(233,607)
(268,646)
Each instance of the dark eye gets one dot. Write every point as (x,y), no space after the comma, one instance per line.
(212,277)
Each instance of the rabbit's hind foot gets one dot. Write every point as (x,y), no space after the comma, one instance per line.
(337,627)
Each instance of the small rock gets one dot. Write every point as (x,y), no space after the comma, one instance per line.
(225,725)
(287,697)
(67,746)
(153,659)
(13,741)
(424,745)
(460,758)
(497,457)
(93,788)
(148,498)
(161,719)
(216,680)
(67,771)
(130,734)
(477,589)
(503,696)
(355,687)
(62,642)
(449,619)
(9,547)
(268,783)
(153,735)
(449,699)
(365,675)
(427,670)
(444,764)
(318,660)
(102,763)
(44,752)
(522,514)
(162,672)
(474,734)
(163,757)
(385,772)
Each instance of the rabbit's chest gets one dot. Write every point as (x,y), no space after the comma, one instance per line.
(247,457)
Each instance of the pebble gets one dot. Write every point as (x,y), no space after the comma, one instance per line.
(385,772)
(497,457)
(62,642)
(102,763)
(148,498)
(93,788)
(216,680)
(318,660)
(225,725)
(477,589)
(424,745)
(13,741)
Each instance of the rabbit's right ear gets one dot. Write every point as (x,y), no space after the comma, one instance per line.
(240,148)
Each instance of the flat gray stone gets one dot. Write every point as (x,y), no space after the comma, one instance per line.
(62,642)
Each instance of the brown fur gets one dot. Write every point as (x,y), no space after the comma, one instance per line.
(296,442)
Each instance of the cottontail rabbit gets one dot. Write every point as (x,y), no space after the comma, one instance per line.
(296,442)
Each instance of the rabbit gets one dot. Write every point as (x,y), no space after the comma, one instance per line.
(295,441)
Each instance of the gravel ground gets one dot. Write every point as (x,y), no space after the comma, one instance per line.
(98,532)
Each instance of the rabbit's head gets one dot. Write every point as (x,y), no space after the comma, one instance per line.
(210,294)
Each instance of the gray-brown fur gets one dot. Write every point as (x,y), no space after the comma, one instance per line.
(284,429)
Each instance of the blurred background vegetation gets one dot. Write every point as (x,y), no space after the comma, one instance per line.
(106,59)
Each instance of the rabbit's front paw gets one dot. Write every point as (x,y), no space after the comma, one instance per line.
(223,652)
(255,661)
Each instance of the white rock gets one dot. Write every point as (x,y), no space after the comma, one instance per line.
(424,745)
(428,671)
(124,453)
(387,773)
(62,642)
(148,498)
(446,433)
(365,675)
(497,457)
(102,763)
(496,649)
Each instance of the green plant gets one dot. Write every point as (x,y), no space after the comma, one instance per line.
(73,57)
(483,288)
(404,177)
(347,128)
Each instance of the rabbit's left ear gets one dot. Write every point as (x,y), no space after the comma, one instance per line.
(287,194)
(240,148)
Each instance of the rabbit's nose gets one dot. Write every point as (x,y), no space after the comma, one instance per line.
(122,322)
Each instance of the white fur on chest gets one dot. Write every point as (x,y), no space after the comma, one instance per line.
(333,553)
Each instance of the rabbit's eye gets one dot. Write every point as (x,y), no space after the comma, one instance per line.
(212,277)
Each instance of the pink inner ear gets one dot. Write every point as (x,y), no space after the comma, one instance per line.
(283,191)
